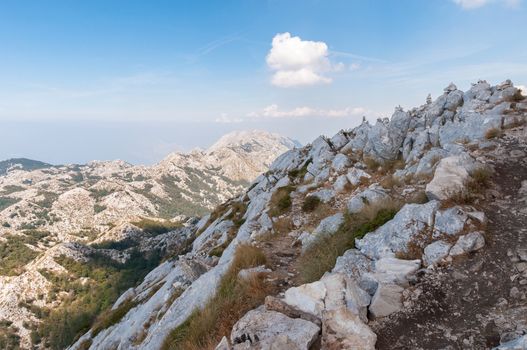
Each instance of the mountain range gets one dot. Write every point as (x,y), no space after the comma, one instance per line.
(51,211)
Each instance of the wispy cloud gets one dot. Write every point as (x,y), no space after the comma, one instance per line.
(274,111)
(474,4)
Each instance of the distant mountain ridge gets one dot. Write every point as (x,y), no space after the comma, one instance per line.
(22,164)
(55,219)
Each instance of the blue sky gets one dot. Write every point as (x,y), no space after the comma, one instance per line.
(83,80)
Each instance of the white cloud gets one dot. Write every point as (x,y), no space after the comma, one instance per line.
(298,62)
(473,4)
(273,111)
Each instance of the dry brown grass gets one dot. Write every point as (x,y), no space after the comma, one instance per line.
(205,327)
(416,246)
(389,182)
(418,197)
(474,188)
(493,133)
(283,225)
(371,163)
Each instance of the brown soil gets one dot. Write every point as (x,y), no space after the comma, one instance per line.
(481,298)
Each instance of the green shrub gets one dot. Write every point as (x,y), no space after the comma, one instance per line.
(6,202)
(9,338)
(156,227)
(14,255)
(97,208)
(111,317)
(78,311)
(310,203)
(301,172)
(321,256)
(49,199)
(8,189)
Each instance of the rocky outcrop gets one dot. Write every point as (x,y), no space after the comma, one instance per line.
(416,152)
(273,330)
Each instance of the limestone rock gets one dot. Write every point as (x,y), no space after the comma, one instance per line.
(387,300)
(395,270)
(263,326)
(325,195)
(307,297)
(278,305)
(370,196)
(394,236)
(468,243)
(327,226)
(357,266)
(449,178)
(340,162)
(450,221)
(355,176)
(342,291)
(340,184)
(342,329)
(435,252)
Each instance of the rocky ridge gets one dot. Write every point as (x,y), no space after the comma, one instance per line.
(111,209)
(433,163)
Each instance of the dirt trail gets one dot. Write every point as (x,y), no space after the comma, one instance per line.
(480,298)
(282,251)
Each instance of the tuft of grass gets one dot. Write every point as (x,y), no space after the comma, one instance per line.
(310,204)
(321,256)
(493,133)
(110,317)
(234,297)
(301,172)
(282,225)
(473,188)
(281,201)
(371,163)
(85,345)
(389,182)
(387,166)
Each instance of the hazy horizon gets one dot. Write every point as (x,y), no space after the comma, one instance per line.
(135,81)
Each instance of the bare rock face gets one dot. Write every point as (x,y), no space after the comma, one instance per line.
(307,297)
(243,155)
(342,329)
(387,300)
(260,329)
(394,236)
(468,243)
(436,251)
(449,178)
